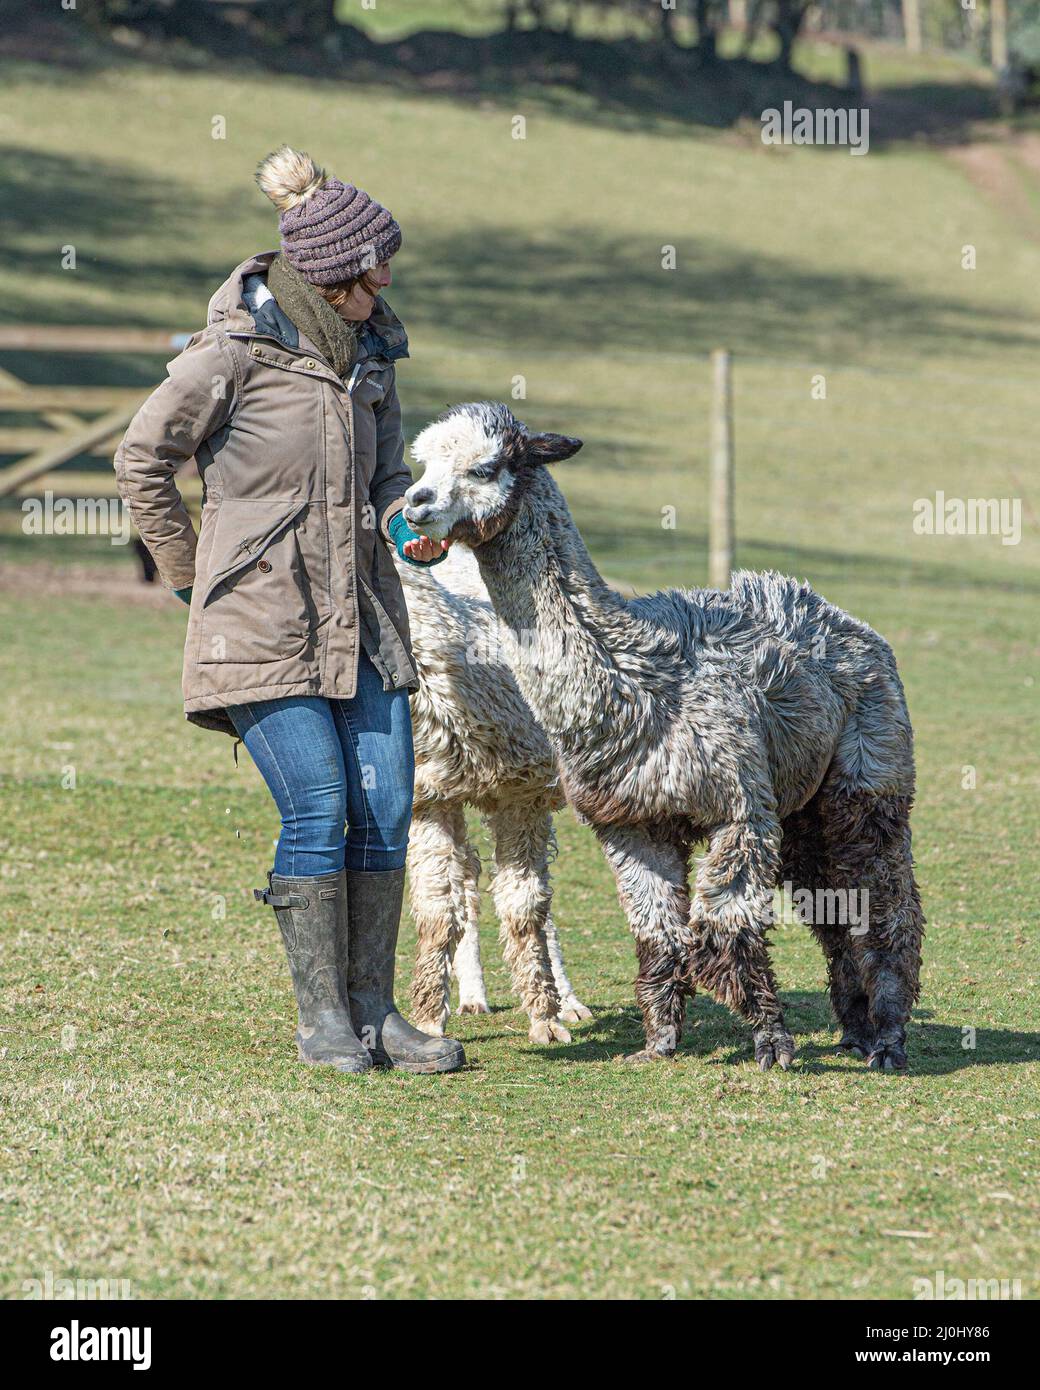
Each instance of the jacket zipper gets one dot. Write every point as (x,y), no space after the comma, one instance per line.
(353,527)
(270,338)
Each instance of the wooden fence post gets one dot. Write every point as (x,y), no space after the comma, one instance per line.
(720,502)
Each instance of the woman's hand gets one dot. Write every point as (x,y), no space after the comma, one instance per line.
(413,548)
(424,549)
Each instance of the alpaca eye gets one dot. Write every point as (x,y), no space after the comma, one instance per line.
(485,472)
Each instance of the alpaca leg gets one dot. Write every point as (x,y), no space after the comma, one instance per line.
(732,912)
(870,863)
(522,896)
(435,871)
(849,998)
(803,872)
(650,869)
(572,1010)
(467,965)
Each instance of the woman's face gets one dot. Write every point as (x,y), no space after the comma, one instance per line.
(359,305)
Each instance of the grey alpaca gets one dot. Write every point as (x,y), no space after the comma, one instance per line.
(762,720)
(478,744)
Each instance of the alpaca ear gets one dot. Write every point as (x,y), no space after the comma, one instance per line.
(550,448)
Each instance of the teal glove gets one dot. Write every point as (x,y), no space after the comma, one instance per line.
(401,533)
(184,594)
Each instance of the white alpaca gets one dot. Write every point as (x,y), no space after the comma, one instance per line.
(762,720)
(477,743)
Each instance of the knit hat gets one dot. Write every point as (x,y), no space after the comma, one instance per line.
(331,231)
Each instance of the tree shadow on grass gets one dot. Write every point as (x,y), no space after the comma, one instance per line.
(636,542)
(759,303)
(935,1049)
(756,303)
(629,82)
(54,201)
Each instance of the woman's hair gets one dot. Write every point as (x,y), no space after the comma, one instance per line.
(338,294)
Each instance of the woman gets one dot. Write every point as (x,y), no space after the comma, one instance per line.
(297,634)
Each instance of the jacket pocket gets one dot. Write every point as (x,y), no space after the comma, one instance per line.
(255,607)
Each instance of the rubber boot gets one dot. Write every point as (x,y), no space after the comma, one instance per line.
(307,911)
(374,915)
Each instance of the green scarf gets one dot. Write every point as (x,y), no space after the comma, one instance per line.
(314,316)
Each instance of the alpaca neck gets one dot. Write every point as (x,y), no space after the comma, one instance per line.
(580,649)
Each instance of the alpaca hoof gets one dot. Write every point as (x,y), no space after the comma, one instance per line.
(774,1045)
(547,1030)
(639,1059)
(474,1006)
(853,1046)
(573,1011)
(887,1057)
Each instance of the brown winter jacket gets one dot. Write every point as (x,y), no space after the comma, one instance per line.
(301,472)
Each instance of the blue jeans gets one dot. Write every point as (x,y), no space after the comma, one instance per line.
(330,763)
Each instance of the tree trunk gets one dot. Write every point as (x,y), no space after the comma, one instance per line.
(789,16)
(706,36)
(853,74)
(998,44)
(912,25)
(536,9)
(668,34)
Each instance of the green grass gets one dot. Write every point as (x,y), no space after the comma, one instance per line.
(386,22)
(156,1126)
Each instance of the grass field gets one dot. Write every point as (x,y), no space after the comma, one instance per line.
(156,1126)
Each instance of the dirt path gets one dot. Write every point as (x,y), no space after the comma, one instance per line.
(1003,169)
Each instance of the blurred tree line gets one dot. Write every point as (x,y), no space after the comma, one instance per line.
(966,25)
(993,30)
(694,24)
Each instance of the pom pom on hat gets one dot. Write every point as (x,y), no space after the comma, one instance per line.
(331,231)
(288,177)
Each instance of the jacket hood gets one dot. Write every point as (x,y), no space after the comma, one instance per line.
(228,307)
